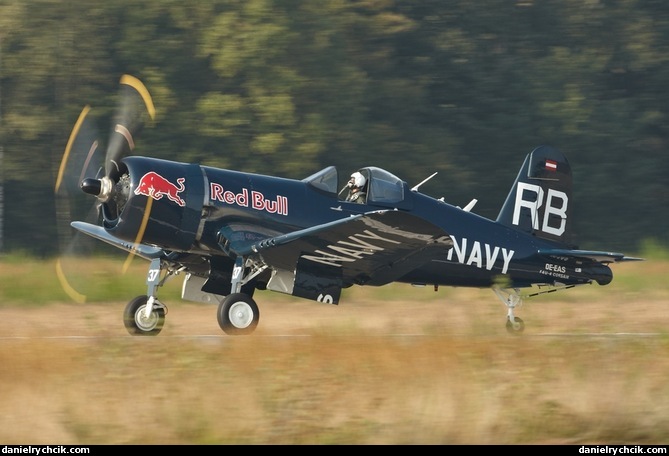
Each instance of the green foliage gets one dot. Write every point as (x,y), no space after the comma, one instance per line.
(29,281)
(653,249)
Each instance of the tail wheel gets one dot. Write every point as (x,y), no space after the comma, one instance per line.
(238,314)
(136,321)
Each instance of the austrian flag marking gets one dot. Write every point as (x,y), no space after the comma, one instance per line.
(551,165)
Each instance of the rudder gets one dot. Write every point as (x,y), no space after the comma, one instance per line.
(539,201)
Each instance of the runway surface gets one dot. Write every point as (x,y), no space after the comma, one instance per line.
(366,371)
(301,319)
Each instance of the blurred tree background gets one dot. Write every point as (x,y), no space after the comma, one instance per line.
(287,87)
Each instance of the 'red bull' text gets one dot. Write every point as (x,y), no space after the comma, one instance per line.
(255,199)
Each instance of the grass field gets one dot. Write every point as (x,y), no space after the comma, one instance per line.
(389,365)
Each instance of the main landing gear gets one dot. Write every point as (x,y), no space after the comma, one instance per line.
(511,298)
(145,315)
(238,313)
(136,320)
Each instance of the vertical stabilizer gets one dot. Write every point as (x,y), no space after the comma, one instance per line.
(539,201)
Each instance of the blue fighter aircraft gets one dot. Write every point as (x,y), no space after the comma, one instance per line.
(230,233)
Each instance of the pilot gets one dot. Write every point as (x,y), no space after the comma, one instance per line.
(356,186)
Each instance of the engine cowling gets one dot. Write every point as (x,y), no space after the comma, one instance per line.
(162,198)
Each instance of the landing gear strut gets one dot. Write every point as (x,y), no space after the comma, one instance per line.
(145,315)
(511,298)
(238,313)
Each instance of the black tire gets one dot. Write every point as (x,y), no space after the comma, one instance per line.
(137,324)
(238,314)
(516,328)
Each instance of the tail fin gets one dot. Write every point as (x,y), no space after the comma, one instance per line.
(538,202)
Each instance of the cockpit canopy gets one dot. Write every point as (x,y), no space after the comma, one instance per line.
(383,187)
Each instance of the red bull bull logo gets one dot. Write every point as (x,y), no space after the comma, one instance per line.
(156,186)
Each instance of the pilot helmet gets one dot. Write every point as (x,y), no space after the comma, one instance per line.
(357,180)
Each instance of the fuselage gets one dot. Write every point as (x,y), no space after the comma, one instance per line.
(204,208)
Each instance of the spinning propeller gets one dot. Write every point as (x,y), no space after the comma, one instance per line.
(83,167)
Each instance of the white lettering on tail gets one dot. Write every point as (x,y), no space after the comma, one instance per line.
(556,204)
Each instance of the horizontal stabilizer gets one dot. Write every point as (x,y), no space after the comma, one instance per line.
(592,255)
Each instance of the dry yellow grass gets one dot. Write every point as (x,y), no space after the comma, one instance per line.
(387,366)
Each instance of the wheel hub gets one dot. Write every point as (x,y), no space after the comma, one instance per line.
(143,322)
(241,315)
